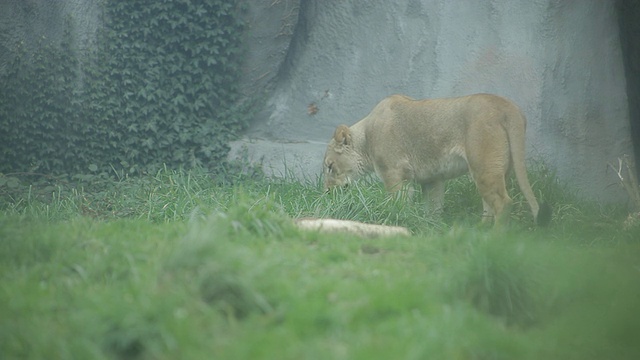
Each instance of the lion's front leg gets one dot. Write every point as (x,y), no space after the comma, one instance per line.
(433,193)
(487,212)
(396,180)
(398,187)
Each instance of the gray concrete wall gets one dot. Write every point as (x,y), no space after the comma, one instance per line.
(561,61)
(628,15)
(270,28)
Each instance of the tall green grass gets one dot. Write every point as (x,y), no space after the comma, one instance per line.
(178,265)
(173,195)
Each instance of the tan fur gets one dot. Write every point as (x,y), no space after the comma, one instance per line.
(430,141)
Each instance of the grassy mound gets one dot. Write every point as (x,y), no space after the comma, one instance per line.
(177,265)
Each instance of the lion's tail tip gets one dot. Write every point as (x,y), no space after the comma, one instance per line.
(544,215)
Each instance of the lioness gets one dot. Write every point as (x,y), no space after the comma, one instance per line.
(433,140)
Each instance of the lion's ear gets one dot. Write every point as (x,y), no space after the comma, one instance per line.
(342,136)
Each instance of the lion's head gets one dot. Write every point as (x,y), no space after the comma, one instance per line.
(341,161)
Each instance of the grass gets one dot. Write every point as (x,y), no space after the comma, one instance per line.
(177,266)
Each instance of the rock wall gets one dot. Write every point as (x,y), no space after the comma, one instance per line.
(317,64)
(270,28)
(628,15)
(561,61)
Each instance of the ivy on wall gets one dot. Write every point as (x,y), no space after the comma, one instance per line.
(38,111)
(158,88)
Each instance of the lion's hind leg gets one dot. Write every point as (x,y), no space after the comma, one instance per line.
(488,157)
(496,202)
(489,173)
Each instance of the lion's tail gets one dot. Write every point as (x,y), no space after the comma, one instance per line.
(516,133)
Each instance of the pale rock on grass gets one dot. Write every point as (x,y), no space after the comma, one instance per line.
(352,227)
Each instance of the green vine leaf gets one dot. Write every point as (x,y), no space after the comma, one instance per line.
(158,78)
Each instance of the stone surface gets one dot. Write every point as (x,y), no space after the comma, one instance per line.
(316,64)
(560,61)
(270,27)
(282,158)
(628,15)
(351,227)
